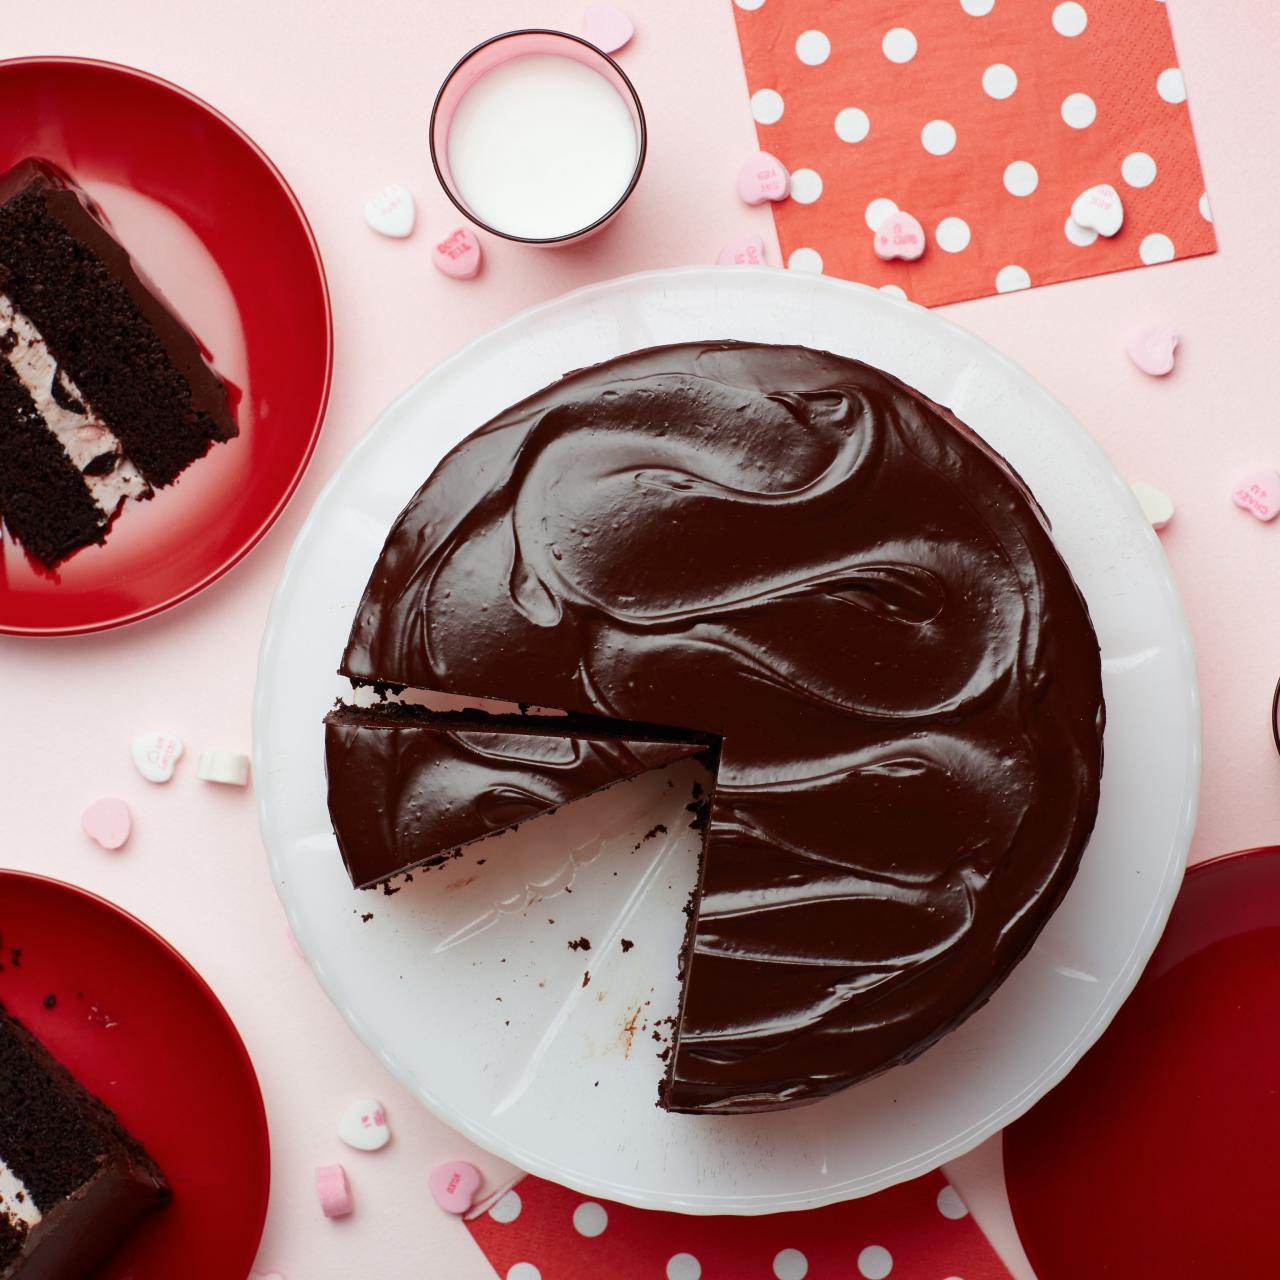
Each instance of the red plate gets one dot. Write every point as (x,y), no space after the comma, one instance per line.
(139,1027)
(210,220)
(1159,1155)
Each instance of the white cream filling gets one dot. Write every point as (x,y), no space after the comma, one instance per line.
(16,1203)
(83,436)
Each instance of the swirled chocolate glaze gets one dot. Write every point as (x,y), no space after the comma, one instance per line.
(800,554)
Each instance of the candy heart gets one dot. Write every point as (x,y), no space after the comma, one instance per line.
(746,251)
(458,254)
(1156,505)
(1099,209)
(1152,349)
(391,211)
(900,236)
(1259,493)
(364,1125)
(108,822)
(334,1191)
(155,754)
(607,27)
(454,1185)
(763,177)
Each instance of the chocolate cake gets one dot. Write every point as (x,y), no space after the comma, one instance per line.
(73,1183)
(409,787)
(804,557)
(105,394)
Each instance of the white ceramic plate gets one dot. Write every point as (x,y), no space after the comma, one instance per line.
(463,982)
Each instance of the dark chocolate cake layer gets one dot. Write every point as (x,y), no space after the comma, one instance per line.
(805,557)
(73,1182)
(409,787)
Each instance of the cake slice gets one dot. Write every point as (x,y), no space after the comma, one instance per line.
(409,786)
(73,1182)
(105,394)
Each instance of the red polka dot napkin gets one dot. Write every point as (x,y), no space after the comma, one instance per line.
(984,119)
(920,1230)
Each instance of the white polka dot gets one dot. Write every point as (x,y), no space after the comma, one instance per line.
(875,1262)
(852,124)
(813,48)
(524,1271)
(894,291)
(1078,235)
(1205,211)
(1171,86)
(1138,169)
(507,1209)
(748,4)
(684,1266)
(791,1264)
(1021,178)
(999,80)
(590,1219)
(952,235)
(806,186)
(1079,110)
(805,260)
(1156,248)
(899,45)
(950,1205)
(1070,19)
(878,210)
(767,106)
(1011,279)
(938,137)
(977,8)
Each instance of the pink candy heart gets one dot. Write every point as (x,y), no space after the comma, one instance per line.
(454,1185)
(458,254)
(334,1191)
(108,822)
(900,236)
(1258,493)
(746,251)
(1152,349)
(763,177)
(607,27)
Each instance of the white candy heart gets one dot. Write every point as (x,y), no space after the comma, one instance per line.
(1099,209)
(1156,505)
(227,767)
(364,1125)
(391,211)
(156,754)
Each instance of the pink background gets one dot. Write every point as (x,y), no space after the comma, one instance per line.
(339,94)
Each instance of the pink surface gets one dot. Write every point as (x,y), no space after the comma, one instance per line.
(340,102)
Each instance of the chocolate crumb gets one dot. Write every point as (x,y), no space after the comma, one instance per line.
(366,916)
(627,944)
(586,977)
(50,1000)
(580,944)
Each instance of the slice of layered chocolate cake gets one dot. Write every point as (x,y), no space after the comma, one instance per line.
(408,786)
(105,394)
(73,1182)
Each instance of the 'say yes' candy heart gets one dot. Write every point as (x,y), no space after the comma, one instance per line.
(1099,209)
(454,1185)
(607,27)
(1258,493)
(156,754)
(391,211)
(900,236)
(763,177)
(364,1125)
(457,254)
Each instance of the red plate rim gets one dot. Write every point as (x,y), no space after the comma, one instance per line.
(259,1117)
(304,461)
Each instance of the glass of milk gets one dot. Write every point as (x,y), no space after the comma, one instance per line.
(538,136)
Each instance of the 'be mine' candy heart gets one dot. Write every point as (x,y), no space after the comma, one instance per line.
(364,1125)
(391,211)
(607,27)
(457,255)
(108,822)
(1258,493)
(763,177)
(1152,349)
(1156,505)
(746,251)
(1099,209)
(454,1185)
(155,754)
(899,236)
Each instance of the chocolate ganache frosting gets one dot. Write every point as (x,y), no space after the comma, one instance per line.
(803,556)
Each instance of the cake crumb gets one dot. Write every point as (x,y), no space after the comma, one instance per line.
(580,944)
(627,944)
(365,917)
(50,1001)
(586,977)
